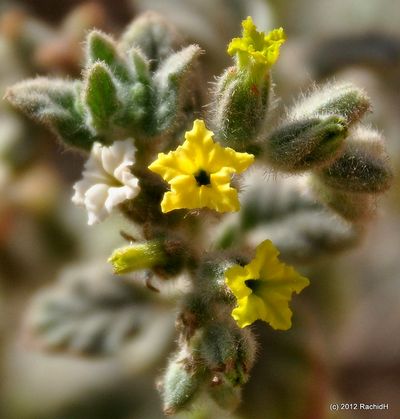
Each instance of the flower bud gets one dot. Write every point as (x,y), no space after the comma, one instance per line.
(241,104)
(219,346)
(229,354)
(229,350)
(137,256)
(224,393)
(243,92)
(352,206)
(303,144)
(180,383)
(341,99)
(166,257)
(362,166)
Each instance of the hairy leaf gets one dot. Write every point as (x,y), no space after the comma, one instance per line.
(101,47)
(54,103)
(88,311)
(173,87)
(100,96)
(153,35)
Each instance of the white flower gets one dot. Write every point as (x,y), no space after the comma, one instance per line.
(107,179)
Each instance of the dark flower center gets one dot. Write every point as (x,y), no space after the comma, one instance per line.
(253,284)
(202,178)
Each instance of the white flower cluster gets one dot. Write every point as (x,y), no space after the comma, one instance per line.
(107,179)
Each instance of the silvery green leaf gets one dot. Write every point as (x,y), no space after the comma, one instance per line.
(88,311)
(56,104)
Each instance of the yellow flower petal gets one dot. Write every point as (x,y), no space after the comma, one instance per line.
(256,47)
(199,172)
(277,311)
(169,165)
(266,253)
(235,277)
(264,288)
(249,310)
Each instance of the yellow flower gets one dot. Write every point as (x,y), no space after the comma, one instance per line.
(199,172)
(256,47)
(263,288)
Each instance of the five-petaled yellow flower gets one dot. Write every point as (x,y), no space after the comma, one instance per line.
(256,47)
(263,288)
(199,172)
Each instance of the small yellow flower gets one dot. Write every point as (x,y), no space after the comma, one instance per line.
(256,47)
(199,172)
(263,288)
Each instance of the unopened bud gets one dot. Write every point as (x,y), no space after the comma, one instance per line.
(353,206)
(341,99)
(243,92)
(228,350)
(180,384)
(362,166)
(219,346)
(304,144)
(225,394)
(241,103)
(137,256)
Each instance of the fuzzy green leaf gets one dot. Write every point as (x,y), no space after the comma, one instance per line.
(141,66)
(173,88)
(288,213)
(100,96)
(54,103)
(153,35)
(101,47)
(87,312)
(177,67)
